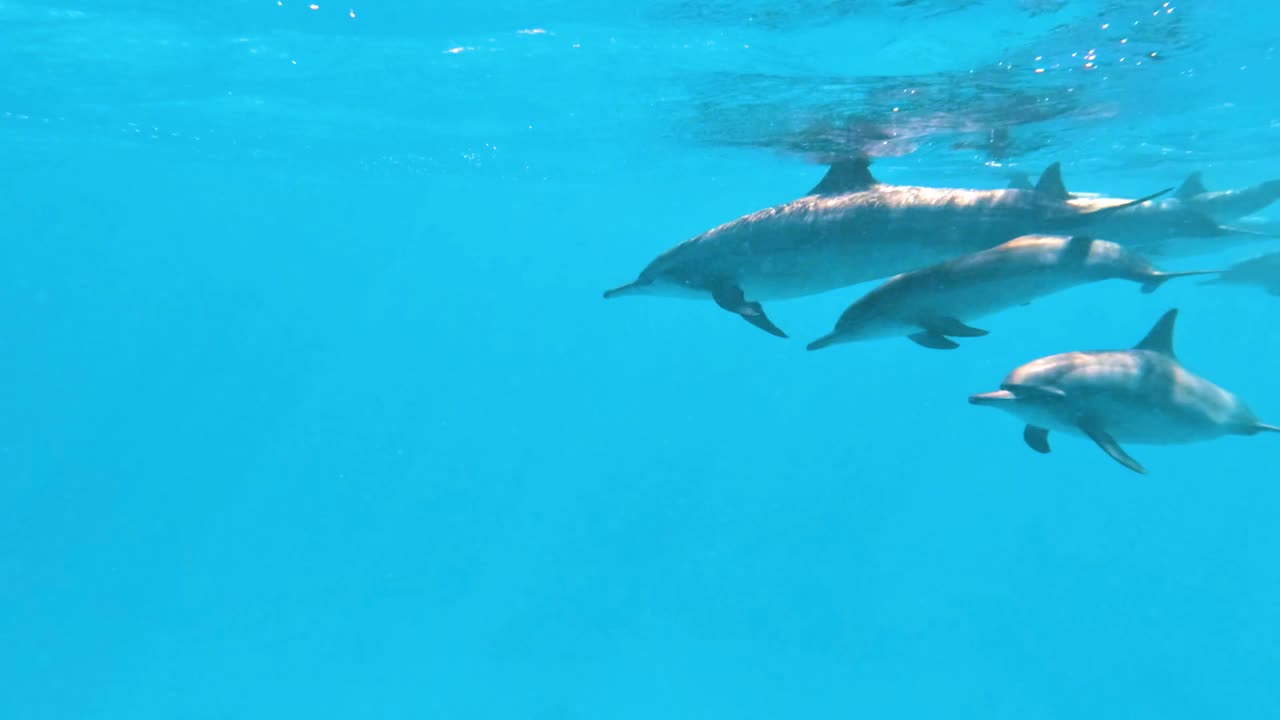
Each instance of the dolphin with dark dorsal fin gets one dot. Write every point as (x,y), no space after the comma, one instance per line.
(1225,205)
(1191,221)
(1141,396)
(1166,229)
(851,228)
(932,305)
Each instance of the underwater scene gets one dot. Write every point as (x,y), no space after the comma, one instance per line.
(556,360)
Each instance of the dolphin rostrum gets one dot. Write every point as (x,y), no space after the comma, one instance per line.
(932,303)
(1142,396)
(851,228)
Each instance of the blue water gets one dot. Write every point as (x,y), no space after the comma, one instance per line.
(312,407)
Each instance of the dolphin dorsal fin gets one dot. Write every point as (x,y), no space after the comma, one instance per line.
(1077,248)
(1020,181)
(1191,187)
(1160,338)
(1050,184)
(846,176)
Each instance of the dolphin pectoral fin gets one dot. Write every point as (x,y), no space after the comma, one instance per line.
(933,340)
(936,330)
(951,326)
(1037,438)
(1154,282)
(730,298)
(1111,447)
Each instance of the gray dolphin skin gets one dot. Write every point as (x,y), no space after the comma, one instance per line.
(1164,229)
(1141,396)
(1262,271)
(1179,225)
(849,229)
(1226,205)
(933,304)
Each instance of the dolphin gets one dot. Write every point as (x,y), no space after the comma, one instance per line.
(1177,225)
(1163,229)
(1221,206)
(1225,205)
(851,228)
(1142,396)
(1262,271)
(932,303)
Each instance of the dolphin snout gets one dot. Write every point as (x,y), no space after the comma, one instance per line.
(991,398)
(628,289)
(824,341)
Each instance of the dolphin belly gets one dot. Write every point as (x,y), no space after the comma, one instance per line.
(1230,205)
(978,298)
(794,259)
(1140,421)
(781,276)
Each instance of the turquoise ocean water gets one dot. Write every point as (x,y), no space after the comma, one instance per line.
(312,407)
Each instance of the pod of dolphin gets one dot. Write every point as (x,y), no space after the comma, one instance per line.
(952,256)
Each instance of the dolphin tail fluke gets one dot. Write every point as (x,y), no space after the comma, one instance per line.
(1154,282)
(1139,201)
(1100,213)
